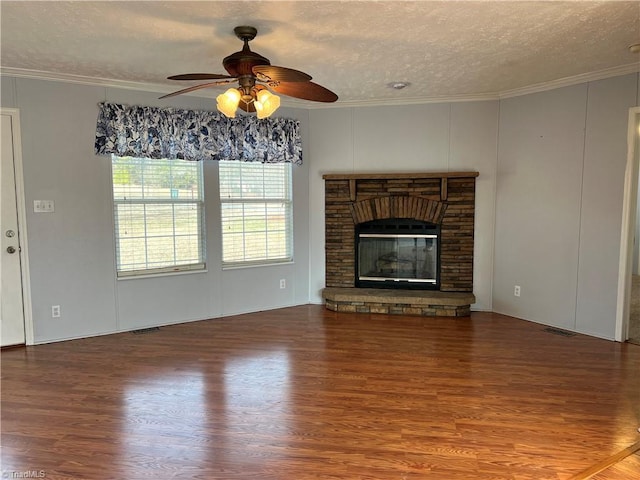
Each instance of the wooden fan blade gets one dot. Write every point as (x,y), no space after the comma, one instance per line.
(306,91)
(271,73)
(196,87)
(198,76)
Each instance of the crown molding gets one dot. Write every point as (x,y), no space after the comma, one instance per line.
(380,102)
(83,80)
(573,80)
(294,103)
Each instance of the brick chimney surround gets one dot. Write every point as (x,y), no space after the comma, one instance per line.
(446,199)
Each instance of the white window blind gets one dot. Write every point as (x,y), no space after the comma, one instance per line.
(256,210)
(159,212)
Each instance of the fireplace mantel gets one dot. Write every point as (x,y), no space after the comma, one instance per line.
(443,198)
(354,177)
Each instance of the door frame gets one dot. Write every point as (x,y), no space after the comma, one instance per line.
(14,113)
(629,207)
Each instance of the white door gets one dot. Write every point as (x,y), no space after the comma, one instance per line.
(12,331)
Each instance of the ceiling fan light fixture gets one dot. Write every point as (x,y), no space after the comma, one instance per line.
(254,73)
(266,103)
(228,102)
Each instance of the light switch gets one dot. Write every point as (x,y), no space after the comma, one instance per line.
(43,206)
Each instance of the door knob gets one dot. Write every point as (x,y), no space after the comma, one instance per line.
(10,233)
(11,250)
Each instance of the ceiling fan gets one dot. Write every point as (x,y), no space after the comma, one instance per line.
(256,78)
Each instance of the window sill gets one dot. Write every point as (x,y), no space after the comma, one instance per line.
(254,265)
(162,274)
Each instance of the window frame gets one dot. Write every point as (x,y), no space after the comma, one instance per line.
(176,267)
(286,200)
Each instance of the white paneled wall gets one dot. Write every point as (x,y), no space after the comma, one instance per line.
(605,159)
(548,204)
(72,260)
(538,205)
(401,139)
(561,162)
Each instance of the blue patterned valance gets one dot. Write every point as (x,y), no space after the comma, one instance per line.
(152,132)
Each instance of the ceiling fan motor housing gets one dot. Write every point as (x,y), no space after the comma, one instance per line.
(242,62)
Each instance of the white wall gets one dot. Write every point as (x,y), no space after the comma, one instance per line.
(70,250)
(416,138)
(72,255)
(561,162)
(605,159)
(538,205)
(548,204)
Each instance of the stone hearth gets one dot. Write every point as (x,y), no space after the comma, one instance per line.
(401,302)
(446,199)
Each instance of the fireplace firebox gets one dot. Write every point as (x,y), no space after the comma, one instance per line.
(397,253)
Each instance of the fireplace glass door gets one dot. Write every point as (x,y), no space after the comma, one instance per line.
(397,260)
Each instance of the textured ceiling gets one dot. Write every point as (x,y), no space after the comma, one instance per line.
(444,49)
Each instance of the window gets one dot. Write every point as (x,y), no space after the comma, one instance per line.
(256,210)
(159,212)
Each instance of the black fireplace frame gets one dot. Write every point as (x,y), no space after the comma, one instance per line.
(397,226)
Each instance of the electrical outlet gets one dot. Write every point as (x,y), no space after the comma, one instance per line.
(55,311)
(516,290)
(283,283)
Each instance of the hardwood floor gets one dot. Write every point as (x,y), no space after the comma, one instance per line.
(305,393)
(628,467)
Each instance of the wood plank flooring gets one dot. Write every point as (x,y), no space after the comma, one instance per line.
(304,393)
(625,469)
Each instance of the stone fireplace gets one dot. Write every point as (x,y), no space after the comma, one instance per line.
(416,230)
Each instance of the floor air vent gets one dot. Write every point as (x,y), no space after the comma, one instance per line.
(557,331)
(145,330)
